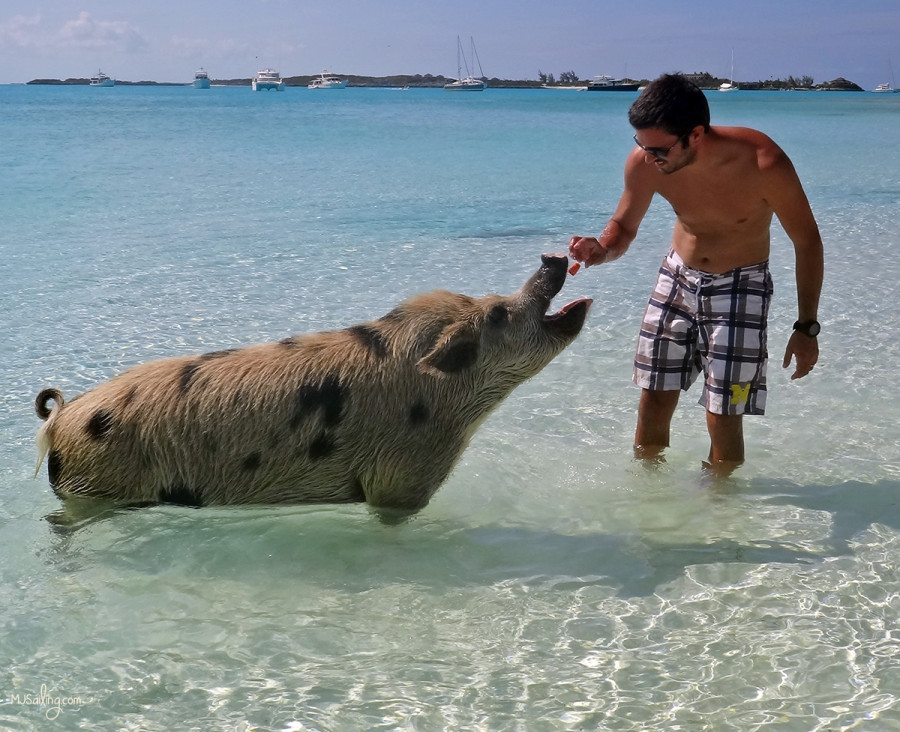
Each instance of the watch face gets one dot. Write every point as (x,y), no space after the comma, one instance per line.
(813,329)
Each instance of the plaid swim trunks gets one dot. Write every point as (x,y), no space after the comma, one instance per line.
(711,323)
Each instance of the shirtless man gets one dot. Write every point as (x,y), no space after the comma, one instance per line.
(709,307)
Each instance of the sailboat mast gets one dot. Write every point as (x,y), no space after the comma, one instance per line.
(465,60)
(475,58)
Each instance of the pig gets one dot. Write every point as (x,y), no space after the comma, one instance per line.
(378,412)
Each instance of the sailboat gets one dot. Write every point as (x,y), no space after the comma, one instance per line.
(729,85)
(469,83)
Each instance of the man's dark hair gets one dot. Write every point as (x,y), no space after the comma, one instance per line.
(671,103)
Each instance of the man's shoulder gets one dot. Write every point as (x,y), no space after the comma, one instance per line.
(637,170)
(763,148)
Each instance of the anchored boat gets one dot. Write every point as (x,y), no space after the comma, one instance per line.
(469,82)
(267,80)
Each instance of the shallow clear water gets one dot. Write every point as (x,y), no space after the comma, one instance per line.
(552,583)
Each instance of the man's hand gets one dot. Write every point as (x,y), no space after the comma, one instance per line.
(587,250)
(610,245)
(805,350)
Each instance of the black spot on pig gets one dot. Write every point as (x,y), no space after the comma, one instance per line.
(321,447)
(130,396)
(370,339)
(188,372)
(54,466)
(251,462)
(396,315)
(100,423)
(326,398)
(418,414)
(212,355)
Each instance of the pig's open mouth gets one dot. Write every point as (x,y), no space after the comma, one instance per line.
(569,319)
(566,323)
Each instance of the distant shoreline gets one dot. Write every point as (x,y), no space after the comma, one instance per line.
(428,81)
(425,81)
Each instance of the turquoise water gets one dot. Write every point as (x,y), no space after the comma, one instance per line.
(552,583)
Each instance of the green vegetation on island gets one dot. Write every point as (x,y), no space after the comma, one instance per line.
(792,83)
(707,81)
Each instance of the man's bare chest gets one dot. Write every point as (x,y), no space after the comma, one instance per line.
(719,201)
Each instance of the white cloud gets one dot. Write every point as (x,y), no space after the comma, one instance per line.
(19,31)
(87,33)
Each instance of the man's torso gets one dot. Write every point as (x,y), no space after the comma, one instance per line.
(723,216)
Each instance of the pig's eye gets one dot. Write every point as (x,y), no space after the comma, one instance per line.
(498,315)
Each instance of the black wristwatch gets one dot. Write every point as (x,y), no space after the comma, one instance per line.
(809,328)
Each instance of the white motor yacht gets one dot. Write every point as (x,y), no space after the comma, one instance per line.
(267,80)
(102,79)
(201,79)
(327,81)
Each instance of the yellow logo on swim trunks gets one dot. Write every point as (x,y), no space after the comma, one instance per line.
(740,394)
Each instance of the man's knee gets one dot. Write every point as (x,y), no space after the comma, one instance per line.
(660,400)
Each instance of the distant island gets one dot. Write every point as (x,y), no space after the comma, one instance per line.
(569,78)
(709,82)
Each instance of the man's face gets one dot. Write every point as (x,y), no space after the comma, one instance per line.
(664,150)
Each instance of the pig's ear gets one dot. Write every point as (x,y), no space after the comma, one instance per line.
(455,351)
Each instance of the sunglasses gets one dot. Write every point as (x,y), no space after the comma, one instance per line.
(660,153)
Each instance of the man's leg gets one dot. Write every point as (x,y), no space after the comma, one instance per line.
(655,412)
(726,442)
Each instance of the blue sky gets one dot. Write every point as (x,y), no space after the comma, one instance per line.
(165,40)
